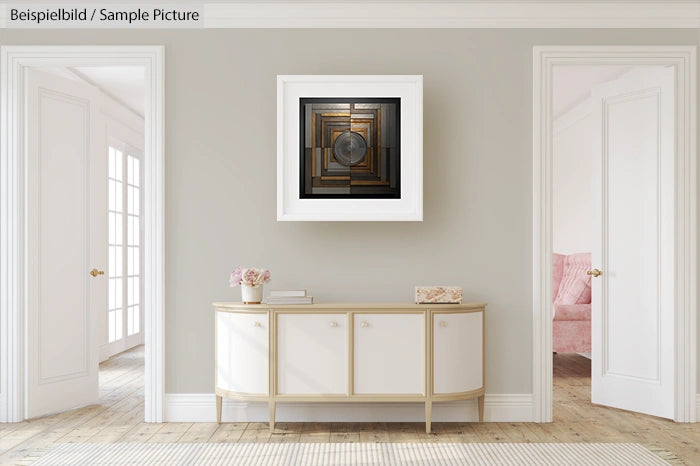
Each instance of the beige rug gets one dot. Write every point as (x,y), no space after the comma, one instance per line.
(255,454)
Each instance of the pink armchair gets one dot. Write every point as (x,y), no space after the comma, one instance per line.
(571,286)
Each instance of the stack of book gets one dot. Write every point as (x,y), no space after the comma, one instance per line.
(289,297)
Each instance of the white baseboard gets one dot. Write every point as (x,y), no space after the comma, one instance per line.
(201,407)
(697,407)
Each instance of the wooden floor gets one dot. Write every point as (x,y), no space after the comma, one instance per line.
(119,418)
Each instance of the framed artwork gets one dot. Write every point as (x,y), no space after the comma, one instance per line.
(349,148)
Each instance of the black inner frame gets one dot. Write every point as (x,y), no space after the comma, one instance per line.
(347,100)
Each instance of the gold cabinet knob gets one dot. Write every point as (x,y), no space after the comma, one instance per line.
(334,324)
(365,324)
(443,323)
(595,272)
(95,272)
(256,324)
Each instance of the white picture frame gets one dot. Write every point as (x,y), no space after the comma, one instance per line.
(290,205)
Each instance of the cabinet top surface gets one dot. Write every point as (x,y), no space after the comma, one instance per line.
(349,306)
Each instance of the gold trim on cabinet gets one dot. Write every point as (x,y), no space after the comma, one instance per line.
(273,364)
(219,400)
(363,397)
(428,370)
(350,348)
(240,395)
(355,307)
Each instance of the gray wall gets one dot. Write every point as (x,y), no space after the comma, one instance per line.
(220,176)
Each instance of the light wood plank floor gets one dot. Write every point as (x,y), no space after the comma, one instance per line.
(119,418)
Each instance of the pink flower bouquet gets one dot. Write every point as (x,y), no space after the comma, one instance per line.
(249,276)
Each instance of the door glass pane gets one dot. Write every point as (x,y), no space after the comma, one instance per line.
(130,230)
(118,229)
(111,228)
(135,296)
(111,163)
(137,201)
(130,321)
(133,202)
(119,324)
(118,262)
(111,188)
(111,268)
(118,196)
(133,320)
(119,167)
(137,179)
(112,300)
(137,232)
(130,261)
(131,291)
(137,319)
(135,260)
(124,239)
(118,293)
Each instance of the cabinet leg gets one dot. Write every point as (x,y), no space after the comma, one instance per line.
(481,408)
(272,416)
(428,415)
(218,409)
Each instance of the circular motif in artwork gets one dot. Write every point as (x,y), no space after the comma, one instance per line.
(350,148)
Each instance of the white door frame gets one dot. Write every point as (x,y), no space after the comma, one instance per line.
(13,215)
(683,58)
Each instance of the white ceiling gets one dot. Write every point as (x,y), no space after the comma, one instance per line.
(573,84)
(123,83)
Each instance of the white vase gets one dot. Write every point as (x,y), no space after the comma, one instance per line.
(251,294)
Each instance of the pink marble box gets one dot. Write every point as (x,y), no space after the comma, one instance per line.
(439,294)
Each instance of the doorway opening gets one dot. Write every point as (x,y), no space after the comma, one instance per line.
(573,138)
(92,119)
(632,170)
(85,143)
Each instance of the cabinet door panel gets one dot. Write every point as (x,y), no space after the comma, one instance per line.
(457,352)
(242,352)
(312,353)
(389,353)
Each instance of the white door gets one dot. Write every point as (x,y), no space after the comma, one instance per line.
(66,195)
(389,354)
(633,244)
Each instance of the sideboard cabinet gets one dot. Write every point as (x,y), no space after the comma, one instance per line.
(349,352)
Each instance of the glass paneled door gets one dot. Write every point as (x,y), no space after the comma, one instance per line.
(124,310)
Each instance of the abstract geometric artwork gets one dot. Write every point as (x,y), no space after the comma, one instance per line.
(350,148)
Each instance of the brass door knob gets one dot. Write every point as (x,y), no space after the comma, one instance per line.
(595,272)
(95,272)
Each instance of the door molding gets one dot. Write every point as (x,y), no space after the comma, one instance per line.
(13,214)
(683,58)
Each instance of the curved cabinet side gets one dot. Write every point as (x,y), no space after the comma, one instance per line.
(457,352)
(242,352)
